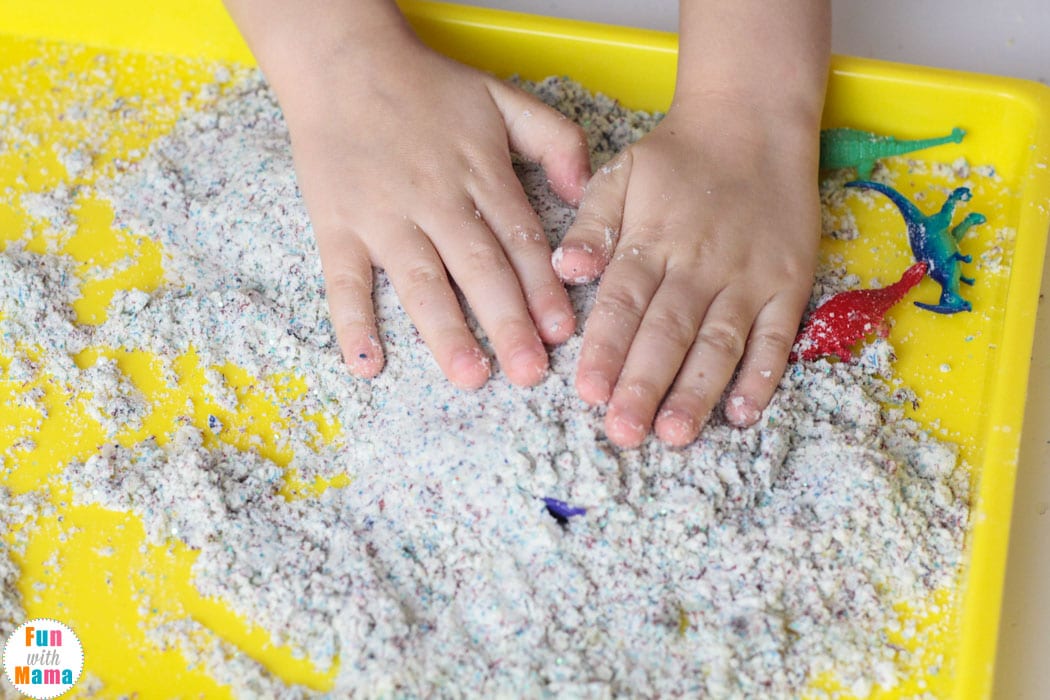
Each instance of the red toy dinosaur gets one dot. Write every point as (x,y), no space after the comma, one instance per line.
(837,324)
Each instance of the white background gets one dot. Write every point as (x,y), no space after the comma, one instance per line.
(1004,38)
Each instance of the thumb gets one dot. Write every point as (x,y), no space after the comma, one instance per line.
(545,136)
(588,245)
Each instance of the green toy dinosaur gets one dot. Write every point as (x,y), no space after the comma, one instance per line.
(851,148)
(935,242)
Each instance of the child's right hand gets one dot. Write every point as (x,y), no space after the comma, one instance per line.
(705,235)
(403,158)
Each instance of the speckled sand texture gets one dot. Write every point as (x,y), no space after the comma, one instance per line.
(738,567)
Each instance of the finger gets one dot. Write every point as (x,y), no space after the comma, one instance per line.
(544,135)
(507,211)
(476,261)
(348,287)
(764,359)
(623,297)
(419,277)
(589,242)
(707,369)
(664,337)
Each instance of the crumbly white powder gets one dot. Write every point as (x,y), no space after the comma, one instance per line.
(11,614)
(742,565)
(17,515)
(117,404)
(992,260)
(836,219)
(52,207)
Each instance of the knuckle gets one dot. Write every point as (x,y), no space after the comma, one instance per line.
(796,269)
(675,325)
(774,340)
(486,258)
(420,277)
(621,301)
(652,236)
(724,338)
(345,280)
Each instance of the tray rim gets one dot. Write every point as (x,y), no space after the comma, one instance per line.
(121,25)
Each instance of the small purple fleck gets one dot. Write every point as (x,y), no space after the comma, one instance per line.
(562,511)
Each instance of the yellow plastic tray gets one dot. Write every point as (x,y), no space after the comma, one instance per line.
(970,370)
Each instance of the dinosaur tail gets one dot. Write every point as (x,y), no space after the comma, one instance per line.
(907,146)
(911,277)
(955,137)
(908,210)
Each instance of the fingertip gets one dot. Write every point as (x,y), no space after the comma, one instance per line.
(577,262)
(527,366)
(557,327)
(594,388)
(624,428)
(365,358)
(676,427)
(742,411)
(469,369)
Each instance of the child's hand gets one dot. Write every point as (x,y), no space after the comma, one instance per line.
(407,167)
(403,158)
(715,224)
(717,216)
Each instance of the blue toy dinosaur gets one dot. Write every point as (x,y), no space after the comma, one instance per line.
(852,148)
(935,243)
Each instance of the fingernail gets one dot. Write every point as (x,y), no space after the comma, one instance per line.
(596,386)
(470,368)
(628,420)
(528,365)
(741,411)
(556,322)
(676,427)
(580,268)
(629,427)
(367,359)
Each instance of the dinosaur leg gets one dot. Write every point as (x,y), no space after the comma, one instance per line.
(951,301)
(964,258)
(967,280)
(864,169)
(950,306)
(972,219)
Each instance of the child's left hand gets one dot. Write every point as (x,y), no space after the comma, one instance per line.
(718,223)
